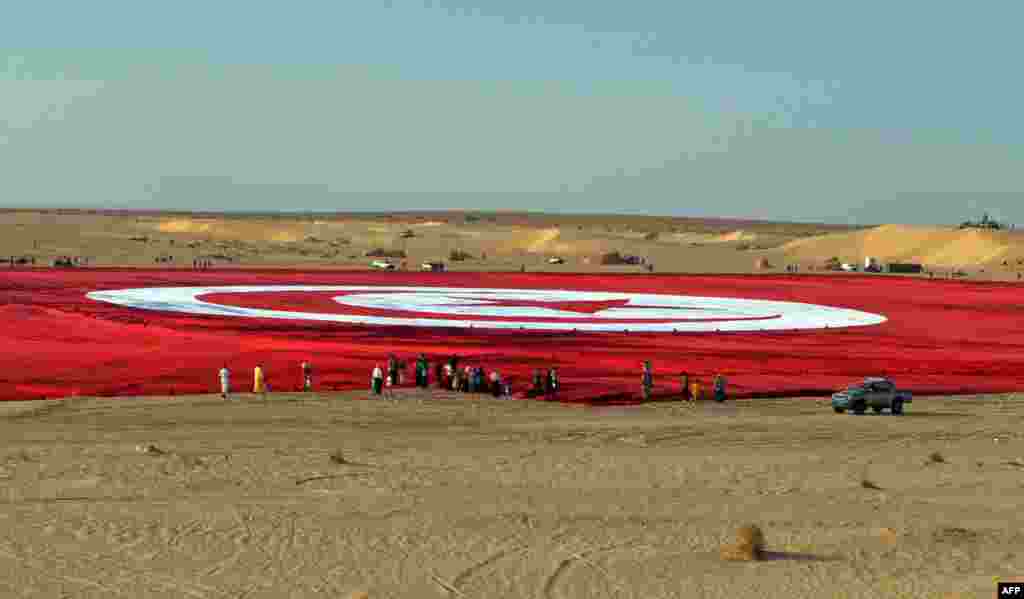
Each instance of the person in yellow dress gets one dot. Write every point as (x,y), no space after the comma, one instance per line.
(259,384)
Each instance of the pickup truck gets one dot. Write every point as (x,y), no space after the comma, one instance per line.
(877,393)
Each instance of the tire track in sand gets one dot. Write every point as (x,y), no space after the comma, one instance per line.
(551,583)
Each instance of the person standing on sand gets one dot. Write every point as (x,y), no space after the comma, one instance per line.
(377,380)
(422,371)
(389,382)
(225,382)
(392,371)
(495,383)
(719,388)
(259,383)
(647,380)
(439,375)
(307,376)
(479,380)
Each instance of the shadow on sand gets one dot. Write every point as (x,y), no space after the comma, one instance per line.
(791,556)
(934,415)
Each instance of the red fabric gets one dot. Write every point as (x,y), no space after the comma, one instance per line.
(941,337)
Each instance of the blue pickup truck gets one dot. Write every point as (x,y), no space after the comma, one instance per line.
(877,393)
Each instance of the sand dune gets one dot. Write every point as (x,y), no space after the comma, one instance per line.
(256,231)
(497,242)
(708,238)
(934,246)
(188,225)
(541,241)
(736,236)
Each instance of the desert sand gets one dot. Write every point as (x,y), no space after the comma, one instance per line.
(496,241)
(309,495)
(436,496)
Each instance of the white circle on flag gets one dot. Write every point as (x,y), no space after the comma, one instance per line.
(534,309)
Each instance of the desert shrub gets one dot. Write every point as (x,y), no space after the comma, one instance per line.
(749,545)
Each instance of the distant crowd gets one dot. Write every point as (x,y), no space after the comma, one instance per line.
(450,375)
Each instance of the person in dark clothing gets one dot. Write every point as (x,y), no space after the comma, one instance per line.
(307,376)
(439,374)
(481,380)
(422,368)
(647,381)
(538,384)
(552,383)
(377,380)
(719,388)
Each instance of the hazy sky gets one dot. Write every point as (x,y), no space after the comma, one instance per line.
(841,111)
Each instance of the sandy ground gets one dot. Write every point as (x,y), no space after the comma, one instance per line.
(474,497)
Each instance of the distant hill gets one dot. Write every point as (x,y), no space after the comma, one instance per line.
(933,246)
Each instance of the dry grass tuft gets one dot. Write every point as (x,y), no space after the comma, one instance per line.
(867,484)
(338,458)
(954,534)
(150,449)
(749,545)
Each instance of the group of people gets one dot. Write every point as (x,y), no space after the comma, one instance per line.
(471,379)
(691,390)
(260,383)
(17,260)
(447,375)
(545,384)
(66,261)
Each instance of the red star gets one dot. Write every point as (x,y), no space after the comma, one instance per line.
(582,307)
